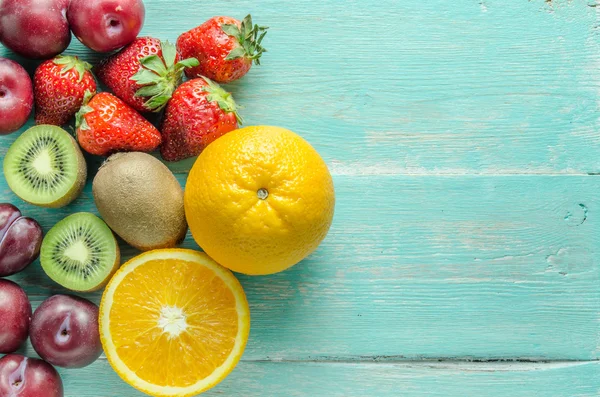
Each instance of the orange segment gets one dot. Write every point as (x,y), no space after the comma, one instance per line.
(180,309)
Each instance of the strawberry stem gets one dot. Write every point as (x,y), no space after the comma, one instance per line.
(223,98)
(250,39)
(83,110)
(158,77)
(71,62)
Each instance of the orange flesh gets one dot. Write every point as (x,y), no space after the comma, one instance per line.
(176,331)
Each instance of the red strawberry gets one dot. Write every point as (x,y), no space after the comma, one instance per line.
(224,46)
(199,112)
(107,125)
(144,74)
(60,85)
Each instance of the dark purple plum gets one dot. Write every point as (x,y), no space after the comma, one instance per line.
(16,96)
(15,315)
(20,240)
(64,331)
(35,28)
(106,25)
(28,377)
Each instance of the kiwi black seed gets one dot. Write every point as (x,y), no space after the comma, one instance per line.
(45,167)
(80,252)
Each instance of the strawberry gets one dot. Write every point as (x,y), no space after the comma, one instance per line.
(106,125)
(199,112)
(60,85)
(224,46)
(144,74)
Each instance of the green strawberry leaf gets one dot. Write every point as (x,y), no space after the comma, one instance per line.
(249,37)
(231,30)
(71,62)
(169,53)
(62,60)
(188,63)
(144,77)
(80,69)
(158,102)
(223,98)
(158,77)
(83,124)
(80,121)
(87,96)
(224,104)
(149,90)
(247,27)
(154,63)
(262,36)
(212,86)
(236,53)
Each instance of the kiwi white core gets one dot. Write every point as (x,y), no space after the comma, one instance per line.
(172,321)
(43,163)
(77,252)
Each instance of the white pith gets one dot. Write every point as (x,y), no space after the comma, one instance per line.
(172,321)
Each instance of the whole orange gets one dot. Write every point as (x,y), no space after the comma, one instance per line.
(259,200)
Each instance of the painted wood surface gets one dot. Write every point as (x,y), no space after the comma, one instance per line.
(463,140)
(302,379)
(435,267)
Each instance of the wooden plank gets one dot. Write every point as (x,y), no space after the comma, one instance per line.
(413,87)
(360,379)
(486,267)
(416,266)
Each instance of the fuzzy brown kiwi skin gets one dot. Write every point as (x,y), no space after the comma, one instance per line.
(140,199)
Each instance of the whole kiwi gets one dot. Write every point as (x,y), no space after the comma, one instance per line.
(141,201)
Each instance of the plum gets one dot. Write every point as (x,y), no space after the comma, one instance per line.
(15,312)
(35,28)
(20,240)
(64,331)
(16,96)
(28,377)
(106,25)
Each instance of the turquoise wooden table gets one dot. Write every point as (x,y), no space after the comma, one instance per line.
(464,141)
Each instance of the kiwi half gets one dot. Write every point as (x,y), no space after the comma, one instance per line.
(80,253)
(45,167)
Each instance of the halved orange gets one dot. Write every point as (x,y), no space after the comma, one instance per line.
(173,322)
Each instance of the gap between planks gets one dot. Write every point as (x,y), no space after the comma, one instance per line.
(461,364)
(385,170)
(451,174)
(443,364)
(442,173)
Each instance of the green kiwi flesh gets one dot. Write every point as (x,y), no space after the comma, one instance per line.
(45,167)
(80,252)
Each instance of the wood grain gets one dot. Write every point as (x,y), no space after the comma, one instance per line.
(485,267)
(463,139)
(413,87)
(258,379)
